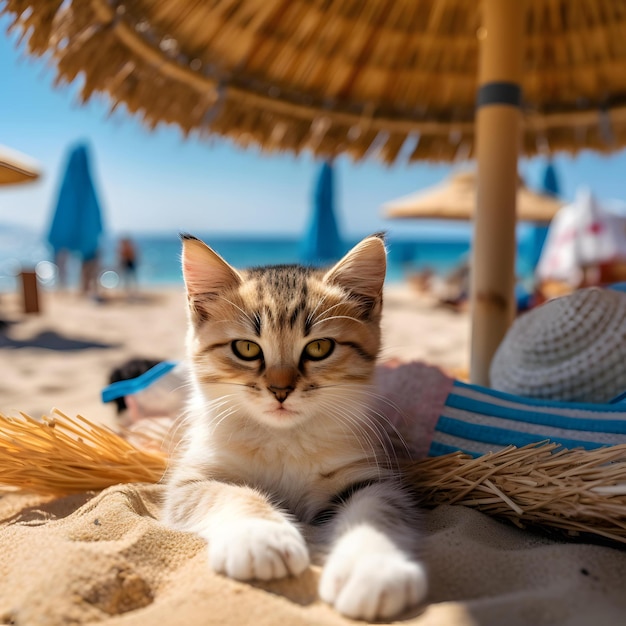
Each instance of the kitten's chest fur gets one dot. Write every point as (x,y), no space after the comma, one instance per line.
(301,470)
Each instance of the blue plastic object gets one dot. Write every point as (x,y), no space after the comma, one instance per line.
(134,385)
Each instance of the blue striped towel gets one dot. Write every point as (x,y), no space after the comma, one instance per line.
(477,420)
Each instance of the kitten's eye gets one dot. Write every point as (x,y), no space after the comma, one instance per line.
(319,349)
(247,350)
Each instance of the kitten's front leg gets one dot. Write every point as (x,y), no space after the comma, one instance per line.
(371,571)
(247,537)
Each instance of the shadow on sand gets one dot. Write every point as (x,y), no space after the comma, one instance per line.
(50,340)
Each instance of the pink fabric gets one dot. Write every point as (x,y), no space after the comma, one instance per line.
(413,396)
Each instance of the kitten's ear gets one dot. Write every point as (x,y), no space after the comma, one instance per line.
(205,272)
(362,270)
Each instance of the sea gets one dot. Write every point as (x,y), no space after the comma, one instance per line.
(159,256)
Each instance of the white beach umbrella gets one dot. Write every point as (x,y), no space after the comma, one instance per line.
(582,234)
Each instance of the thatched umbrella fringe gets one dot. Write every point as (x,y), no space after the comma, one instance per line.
(98,26)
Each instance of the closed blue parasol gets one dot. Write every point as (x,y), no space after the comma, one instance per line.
(549,185)
(77,220)
(550,181)
(322,242)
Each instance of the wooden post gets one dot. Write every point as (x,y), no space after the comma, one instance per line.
(30,292)
(498,125)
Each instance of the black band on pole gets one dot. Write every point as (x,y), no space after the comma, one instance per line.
(499,93)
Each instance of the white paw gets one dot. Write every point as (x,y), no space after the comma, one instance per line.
(258,549)
(371,586)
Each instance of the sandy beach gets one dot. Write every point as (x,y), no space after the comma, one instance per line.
(104,558)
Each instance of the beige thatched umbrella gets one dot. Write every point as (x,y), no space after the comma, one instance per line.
(16,168)
(431,79)
(455,199)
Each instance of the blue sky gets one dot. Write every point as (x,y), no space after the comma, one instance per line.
(159,181)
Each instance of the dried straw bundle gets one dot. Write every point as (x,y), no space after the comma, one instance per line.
(60,455)
(575,491)
(572,491)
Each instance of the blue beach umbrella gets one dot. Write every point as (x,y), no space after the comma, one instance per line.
(549,185)
(550,181)
(77,219)
(322,241)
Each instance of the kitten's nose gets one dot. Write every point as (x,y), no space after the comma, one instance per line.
(280,393)
(281,381)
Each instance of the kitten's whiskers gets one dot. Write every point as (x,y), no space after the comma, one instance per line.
(338,317)
(372,394)
(363,428)
(367,425)
(319,319)
(356,432)
(244,313)
(321,301)
(383,416)
(219,411)
(325,311)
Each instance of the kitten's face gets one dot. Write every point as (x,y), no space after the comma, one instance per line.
(283,344)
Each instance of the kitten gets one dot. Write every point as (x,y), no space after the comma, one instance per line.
(282,441)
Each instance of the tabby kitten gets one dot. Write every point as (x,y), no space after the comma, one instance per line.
(282,442)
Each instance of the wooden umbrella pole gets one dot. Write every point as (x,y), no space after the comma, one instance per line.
(498,132)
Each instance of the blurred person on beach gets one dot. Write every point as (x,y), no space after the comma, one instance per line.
(90,275)
(127,258)
(61,261)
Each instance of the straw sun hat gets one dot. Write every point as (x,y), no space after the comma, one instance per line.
(572,348)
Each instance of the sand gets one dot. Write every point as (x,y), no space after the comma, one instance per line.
(104,558)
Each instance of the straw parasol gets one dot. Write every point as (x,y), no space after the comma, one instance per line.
(332,76)
(398,79)
(455,199)
(16,168)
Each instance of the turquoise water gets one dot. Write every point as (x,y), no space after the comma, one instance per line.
(159,255)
